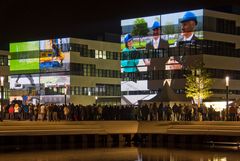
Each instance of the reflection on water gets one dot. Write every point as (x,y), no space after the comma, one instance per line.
(123,154)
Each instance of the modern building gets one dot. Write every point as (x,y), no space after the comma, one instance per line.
(162,47)
(4,72)
(65,70)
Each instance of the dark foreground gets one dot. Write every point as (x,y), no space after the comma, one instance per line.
(122,154)
(27,135)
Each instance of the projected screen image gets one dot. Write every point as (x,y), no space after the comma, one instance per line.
(51,61)
(135,43)
(24,46)
(130,87)
(25,99)
(56,99)
(24,81)
(162,70)
(139,26)
(134,65)
(25,84)
(27,65)
(148,34)
(45,55)
(54,88)
(54,55)
(182,26)
(53,44)
(52,81)
(24,57)
(136,32)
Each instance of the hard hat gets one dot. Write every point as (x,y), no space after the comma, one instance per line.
(155,25)
(127,38)
(189,16)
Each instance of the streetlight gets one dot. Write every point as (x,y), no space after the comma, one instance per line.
(2,84)
(65,95)
(96,98)
(227,91)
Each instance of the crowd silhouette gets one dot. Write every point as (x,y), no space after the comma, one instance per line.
(145,112)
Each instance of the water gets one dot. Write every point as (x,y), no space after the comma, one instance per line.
(123,154)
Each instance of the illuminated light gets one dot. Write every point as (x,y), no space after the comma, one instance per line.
(227,81)
(65,90)
(218,105)
(2,81)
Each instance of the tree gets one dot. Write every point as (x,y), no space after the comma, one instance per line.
(198,84)
(140,28)
(168,28)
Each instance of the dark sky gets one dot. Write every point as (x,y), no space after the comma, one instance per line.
(23,20)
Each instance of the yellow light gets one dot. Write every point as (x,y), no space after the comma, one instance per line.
(2,81)
(227,81)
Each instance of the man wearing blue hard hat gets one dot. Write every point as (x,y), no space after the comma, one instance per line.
(188,25)
(129,65)
(157,42)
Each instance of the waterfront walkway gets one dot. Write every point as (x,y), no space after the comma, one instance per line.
(28,128)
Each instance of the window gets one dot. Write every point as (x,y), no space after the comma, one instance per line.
(3,60)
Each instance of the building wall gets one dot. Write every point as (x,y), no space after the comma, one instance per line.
(4,68)
(102,64)
(4,71)
(221,62)
(222,37)
(82,100)
(223,15)
(233,38)
(100,45)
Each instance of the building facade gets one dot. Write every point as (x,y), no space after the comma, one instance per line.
(159,49)
(65,70)
(4,71)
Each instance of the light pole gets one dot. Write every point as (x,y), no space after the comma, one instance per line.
(96,99)
(2,84)
(227,91)
(65,95)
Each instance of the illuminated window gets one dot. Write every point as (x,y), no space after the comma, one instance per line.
(100,54)
(96,54)
(104,55)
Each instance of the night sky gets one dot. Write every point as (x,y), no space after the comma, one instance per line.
(23,20)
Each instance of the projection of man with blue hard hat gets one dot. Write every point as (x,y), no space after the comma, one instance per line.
(188,25)
(157,42)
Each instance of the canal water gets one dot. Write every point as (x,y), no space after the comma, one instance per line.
(123,154)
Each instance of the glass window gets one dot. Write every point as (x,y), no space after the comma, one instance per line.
(100,54)
(96,54)
(104,55)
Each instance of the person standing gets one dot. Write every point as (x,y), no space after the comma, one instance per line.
(16,112)
(188,26)
(129,64)
(157,42)
(42,112)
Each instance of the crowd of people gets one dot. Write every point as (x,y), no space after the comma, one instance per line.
(150,112)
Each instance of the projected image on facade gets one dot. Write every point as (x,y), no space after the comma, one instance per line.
(54,88)
(145,44)
(54,55)
(24,57)
(40,71)
(182,26)
(24,81)
(138,31)
(25,86)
